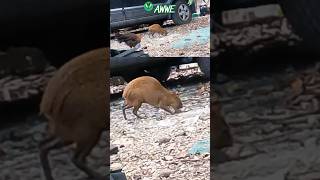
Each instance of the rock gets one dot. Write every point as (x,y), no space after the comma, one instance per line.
(113,149)
(182,154)
(181,133)
(165,174)
(163,140)
(168,158)
(116,166)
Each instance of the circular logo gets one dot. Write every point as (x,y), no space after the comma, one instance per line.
(148,6)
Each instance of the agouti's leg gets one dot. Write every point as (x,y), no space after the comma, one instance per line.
(45,146)
(135,110)
(82,151)
(124,107)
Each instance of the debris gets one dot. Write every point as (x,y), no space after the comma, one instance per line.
(200,147)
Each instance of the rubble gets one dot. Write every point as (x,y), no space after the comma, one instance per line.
(161,46)
(14,88)
(254,37)
(274,138)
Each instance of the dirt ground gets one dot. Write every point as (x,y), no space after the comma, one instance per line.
(162,46)
(274,139)
(157,147)
(19,154)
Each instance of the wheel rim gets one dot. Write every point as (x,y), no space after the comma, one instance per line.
(183,12)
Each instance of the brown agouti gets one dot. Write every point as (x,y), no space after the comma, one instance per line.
(146,89)
(220,129)
(156,28)
(74,103)
(130,39)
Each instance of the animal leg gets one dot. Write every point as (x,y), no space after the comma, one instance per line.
(45,146)
(82,151)
(124,107)
(135,110)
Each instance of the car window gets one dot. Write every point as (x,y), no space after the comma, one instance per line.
(128,3)
(116,4)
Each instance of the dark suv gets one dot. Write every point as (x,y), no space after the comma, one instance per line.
(126,13)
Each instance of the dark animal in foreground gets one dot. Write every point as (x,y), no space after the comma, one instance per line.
(74,103)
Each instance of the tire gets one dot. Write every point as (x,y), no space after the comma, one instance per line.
(162,73)
(204,64)
(132,54)
(131,76)
(303,15)
(183,13)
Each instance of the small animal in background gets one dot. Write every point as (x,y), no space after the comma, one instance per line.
(74,103)
(221,131)
(146,89)
(130,39)
(156,28)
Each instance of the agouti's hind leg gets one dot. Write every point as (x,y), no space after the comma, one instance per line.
(135,110)
(45,146)
(82,151)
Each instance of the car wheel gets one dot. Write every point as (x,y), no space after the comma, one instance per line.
(183,13)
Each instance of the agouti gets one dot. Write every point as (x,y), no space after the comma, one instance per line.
(146,89)
(220,129)
(156,28)
(74,103)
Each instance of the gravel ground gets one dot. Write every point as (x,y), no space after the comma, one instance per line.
(275,138)
(157,147)
(160,46)
(254,37)
(19,154)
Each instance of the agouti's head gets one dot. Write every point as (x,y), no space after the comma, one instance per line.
(164,32)
(175,103)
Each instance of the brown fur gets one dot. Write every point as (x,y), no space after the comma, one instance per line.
(148,90)
(130,39)
(220,129)
(156,28)
(75,102)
